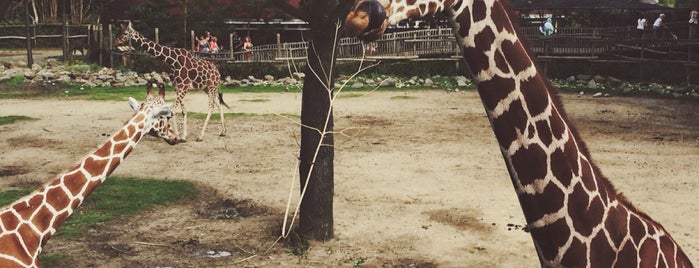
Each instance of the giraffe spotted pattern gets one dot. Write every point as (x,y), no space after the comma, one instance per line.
(28,223)
(187,72)
(576,217)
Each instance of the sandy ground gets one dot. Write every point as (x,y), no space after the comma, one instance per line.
(419,179)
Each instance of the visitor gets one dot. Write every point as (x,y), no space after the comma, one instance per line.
(237,43)
(213,45)
(641,25)
(247,47)
(658,25)
(693,22)
(203,44)
(547,28)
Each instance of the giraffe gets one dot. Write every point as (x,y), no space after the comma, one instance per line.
(28,223)
(575,215)
(187,73)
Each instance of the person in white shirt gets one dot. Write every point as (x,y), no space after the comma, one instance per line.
(641,26)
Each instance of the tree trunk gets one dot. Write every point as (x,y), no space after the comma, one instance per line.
(316,212)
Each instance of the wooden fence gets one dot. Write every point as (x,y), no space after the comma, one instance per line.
(440,44)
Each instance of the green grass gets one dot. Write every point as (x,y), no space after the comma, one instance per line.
(255,100)
(4,120)
(350,95)
(123,197)
(10,196)
(105,93)
(403,97)
(54,260)
(116,197)
(216,116)
(18,79)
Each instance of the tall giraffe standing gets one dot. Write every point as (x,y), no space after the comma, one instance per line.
(576,217)
(28,223)
(187,73)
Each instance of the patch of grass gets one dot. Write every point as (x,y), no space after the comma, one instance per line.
(350,95)
(4,120)
(260,89)
(54,260)
(16,80)
(255,100)
(82,67)
(118,197)
(403,97)
(104,93)
(7,197)
(216,116)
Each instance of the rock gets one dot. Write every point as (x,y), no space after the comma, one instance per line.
(462,81)
(614,81)
(583,77)
(428,83)
(388,82)
(298,75)
(592,84)
(597,95)
(269,78)
(599,79)
(29,75)
(570,79)
(357,85)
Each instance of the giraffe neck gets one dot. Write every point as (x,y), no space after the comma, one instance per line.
(575,216)
(29,222)
(164,53)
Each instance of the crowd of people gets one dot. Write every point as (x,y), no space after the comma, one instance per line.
(208,44)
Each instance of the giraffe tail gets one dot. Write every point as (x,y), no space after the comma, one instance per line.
(220,100)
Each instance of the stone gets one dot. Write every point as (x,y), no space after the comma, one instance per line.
(597,95)
(357,85)
(428,83)
(388,82)
(583,77)
(269,78)
(461,81)
(592,84)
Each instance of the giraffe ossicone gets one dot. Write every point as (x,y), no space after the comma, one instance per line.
(28,223)
(187,72)
(575,216)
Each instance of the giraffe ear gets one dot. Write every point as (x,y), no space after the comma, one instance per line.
(164,110)
(134,104)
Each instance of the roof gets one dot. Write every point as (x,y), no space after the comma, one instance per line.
(586,4)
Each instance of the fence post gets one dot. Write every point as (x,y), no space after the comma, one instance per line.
(157,36)
(192,39)
(279,45)
(111,49)
(230,44)
(30,59)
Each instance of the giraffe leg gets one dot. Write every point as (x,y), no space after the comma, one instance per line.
(179,103)
(223,122)
(212,105)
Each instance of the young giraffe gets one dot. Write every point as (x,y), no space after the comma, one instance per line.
(576,217)
(29,222)
(186,71)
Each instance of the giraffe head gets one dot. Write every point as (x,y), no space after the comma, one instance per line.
(368,19)
(156,114)
(125,33)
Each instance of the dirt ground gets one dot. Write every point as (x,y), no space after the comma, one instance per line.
(419,179)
